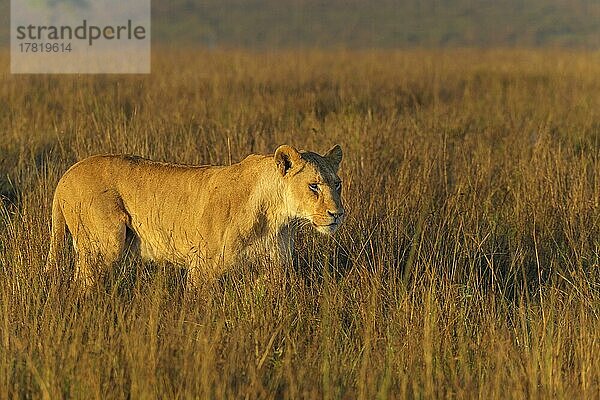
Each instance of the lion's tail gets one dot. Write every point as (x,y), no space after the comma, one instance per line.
(57,236)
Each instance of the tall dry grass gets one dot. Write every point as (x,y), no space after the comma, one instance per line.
(468,266)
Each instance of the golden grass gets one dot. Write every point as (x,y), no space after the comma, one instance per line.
(468,266)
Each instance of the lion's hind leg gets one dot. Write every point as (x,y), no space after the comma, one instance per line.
(99,240)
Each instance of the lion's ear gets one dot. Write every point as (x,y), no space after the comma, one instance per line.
(286,158)
(334,156)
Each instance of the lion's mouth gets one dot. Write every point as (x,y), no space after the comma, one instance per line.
(324,225)
(328,229)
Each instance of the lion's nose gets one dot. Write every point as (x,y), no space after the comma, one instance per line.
(337,214)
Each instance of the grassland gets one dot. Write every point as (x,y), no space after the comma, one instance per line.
(468,266)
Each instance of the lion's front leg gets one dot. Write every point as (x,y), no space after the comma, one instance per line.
(205,271)
(200,276)
(284,246)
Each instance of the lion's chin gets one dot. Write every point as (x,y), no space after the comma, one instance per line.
(327,229)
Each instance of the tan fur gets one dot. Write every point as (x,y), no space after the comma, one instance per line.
(204,217)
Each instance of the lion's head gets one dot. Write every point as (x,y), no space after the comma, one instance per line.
(313,188)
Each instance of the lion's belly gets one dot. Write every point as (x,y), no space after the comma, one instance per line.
(167,245)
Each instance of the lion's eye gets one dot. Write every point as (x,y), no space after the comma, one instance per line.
(314,187)
(338,186)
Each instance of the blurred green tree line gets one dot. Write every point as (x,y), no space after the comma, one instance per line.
(371,23)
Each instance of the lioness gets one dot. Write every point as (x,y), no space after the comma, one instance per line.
(203,217)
